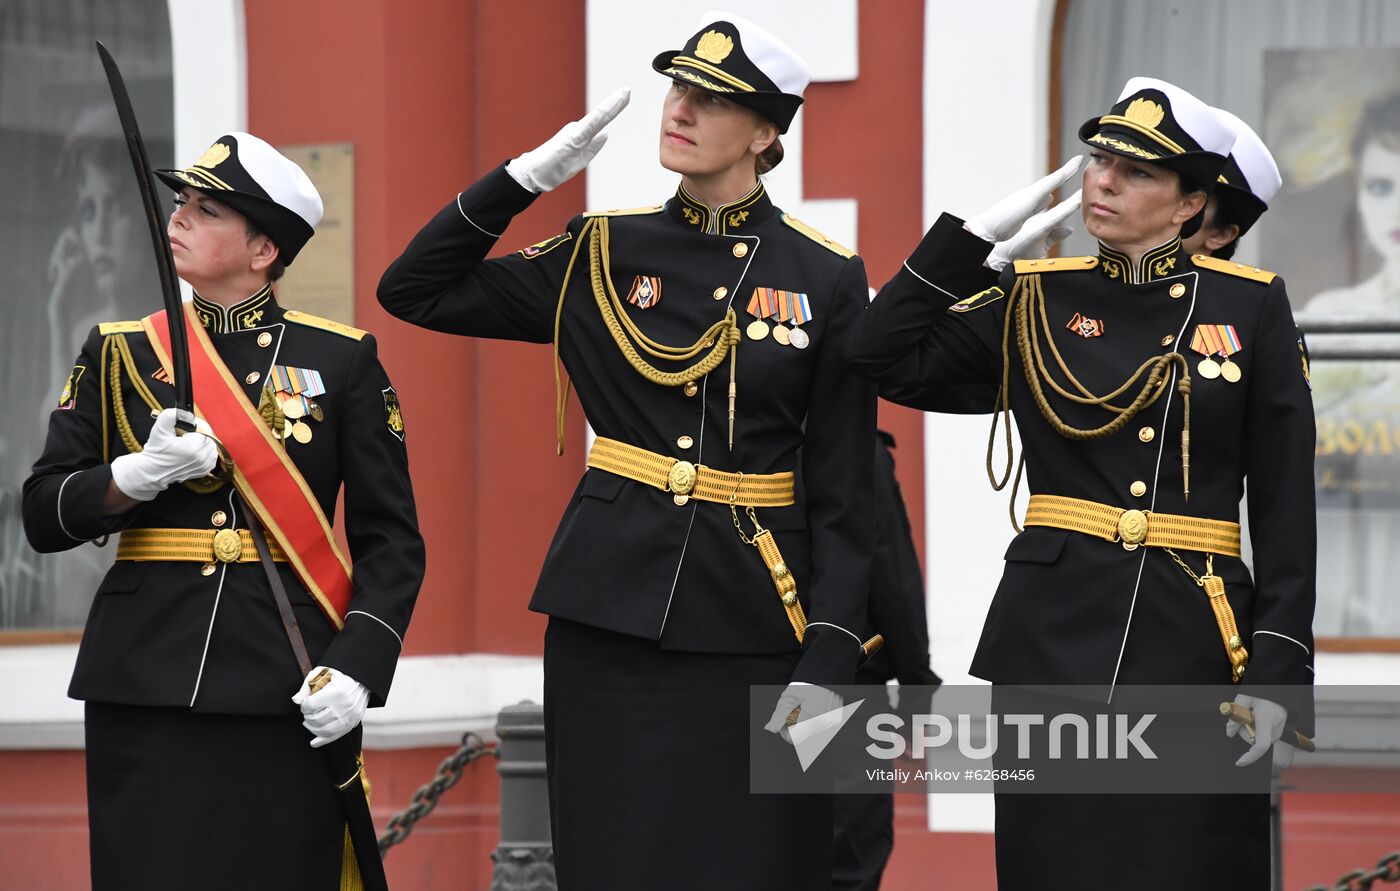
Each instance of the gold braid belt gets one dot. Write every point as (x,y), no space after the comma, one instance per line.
(1140,528)
(685,480)
(192,546)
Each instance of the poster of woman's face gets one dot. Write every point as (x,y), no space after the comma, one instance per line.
(76,251)
(1333,232)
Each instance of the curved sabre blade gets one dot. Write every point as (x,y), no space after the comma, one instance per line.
(160,241)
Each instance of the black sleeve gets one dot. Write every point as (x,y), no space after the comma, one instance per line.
(64,493)
(838,474)
(913,347)
(381,523)
(1281,440)
(443,282)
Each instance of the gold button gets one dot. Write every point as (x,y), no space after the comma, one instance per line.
(680,500)
(208,569)
(1177,290)
(264,339)
(1138,488)
(219,518)
(1235,642)
(691,389)
(740,249)
(685,442)
(1168,340)
(252,377)
(721,292)
(1147,434)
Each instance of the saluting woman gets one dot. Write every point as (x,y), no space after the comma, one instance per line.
(705,337)
(1147,386)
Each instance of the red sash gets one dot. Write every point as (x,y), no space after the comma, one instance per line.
(266,478)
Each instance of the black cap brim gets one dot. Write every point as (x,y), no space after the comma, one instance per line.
(1198,170)
(780,108)
(287,230)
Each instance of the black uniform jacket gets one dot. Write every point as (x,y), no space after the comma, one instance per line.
(1073,609)
(626,557)
(165,634)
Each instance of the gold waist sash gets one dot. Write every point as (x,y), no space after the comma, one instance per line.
(192,546)
(1134,528)
(685,480)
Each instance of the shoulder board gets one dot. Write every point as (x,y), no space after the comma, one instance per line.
(1055,264)
(978,300)
(1230,267)
(107,328)
(628,212)
(818,237)
(310,321)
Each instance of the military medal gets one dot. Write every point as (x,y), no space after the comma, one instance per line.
(1217,340)
(799,338)
(782,334)
(646,291)
(293,408)
(1085,326)
(301,432)
(781,307)
(757,330)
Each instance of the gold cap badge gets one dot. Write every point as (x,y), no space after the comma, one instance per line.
(1145,112)
(714,47)
(213,156)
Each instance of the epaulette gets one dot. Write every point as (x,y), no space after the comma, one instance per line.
(107,328)
(628,212)
(978,300)
(310,321)
(818,237)
(1055,264)
(1230,267)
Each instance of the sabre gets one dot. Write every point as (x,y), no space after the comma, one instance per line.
(160,241)
(1245,718)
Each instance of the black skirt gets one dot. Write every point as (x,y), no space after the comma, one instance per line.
(180,800)
(648,755)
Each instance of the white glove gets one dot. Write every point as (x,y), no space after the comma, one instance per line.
(166,458)
(568,151)
(808,699)
(1003,219)
(335,709)
(1269,721)
(1037,236)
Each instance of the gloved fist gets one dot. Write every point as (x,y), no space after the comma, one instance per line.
(1269,721)
(1005,218)
(167,457)
(335,709)
(808,700)
(568,151)
(1037,236)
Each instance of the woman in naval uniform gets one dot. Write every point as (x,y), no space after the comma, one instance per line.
(1128,570)
(705,337)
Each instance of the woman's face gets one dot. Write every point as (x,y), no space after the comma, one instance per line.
(106,227)
(703,134)
(1131,203)
(1378,198)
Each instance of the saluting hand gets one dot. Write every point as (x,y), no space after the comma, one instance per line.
(568,151)
(1037,236)
(1005,218)
(333,710)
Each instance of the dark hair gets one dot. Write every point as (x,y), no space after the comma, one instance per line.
(1380,123)
(274,272)
(770,157)
(1224,218)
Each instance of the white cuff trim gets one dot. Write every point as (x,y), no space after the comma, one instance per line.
(469,219)
(830,625)
(1285,637)
(955,297)
(360,612)
(58,507)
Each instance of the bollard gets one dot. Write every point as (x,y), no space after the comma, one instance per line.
(525,857)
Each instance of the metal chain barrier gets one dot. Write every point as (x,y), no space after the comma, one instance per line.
(448,774)
(1387,870)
